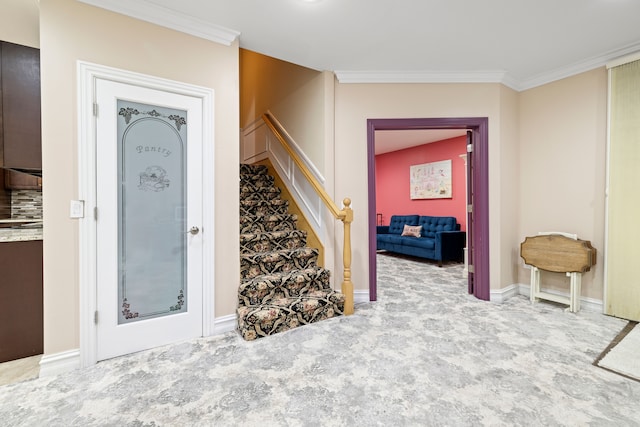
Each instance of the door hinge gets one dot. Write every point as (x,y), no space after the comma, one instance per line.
(469,208)
(470,268)
(469,148)
(95,109)
(95,317)
(95,213)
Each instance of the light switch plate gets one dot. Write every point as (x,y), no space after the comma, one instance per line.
(76,209)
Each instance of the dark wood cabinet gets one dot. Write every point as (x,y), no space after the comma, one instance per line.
(21,316)
(20,133)
(21,180)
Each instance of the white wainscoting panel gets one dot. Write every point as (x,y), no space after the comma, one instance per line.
(253,147)
(279,158)
(303,193)
(259,143)
(307,193)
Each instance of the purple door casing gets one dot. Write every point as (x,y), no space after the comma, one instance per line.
(478,168)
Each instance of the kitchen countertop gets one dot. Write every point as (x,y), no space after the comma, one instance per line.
(20,235)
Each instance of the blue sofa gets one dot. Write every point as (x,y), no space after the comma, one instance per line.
(440,238)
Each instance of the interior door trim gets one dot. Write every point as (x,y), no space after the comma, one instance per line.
(480,227)
(87,192)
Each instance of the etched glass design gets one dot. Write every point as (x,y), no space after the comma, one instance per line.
(152,239)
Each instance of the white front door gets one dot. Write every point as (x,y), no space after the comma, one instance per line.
(149,148)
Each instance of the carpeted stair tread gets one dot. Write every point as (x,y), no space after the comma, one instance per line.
(258,179)
(263,288)
(282,314)
(246,169)
(252,265)
(278,222)
(272,241)
(260,193)
(253,203)
(264,207)
(282,286)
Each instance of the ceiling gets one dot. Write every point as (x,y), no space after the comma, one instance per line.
(394,140)
(520,43)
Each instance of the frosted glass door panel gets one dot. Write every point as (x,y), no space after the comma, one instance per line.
(152,239)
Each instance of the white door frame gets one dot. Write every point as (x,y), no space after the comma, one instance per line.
(87,191)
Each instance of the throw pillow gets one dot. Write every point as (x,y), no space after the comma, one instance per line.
(412,230)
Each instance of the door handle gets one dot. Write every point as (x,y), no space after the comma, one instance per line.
(194,230)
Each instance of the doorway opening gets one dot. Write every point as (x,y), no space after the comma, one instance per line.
(478,189)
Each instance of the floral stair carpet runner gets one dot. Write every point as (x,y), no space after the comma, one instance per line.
(281,286)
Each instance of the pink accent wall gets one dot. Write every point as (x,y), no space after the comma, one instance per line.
(392,181)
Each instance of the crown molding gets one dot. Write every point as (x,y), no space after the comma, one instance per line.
(578,67)
(420,76)
(487,76)
(635,56)
(145,11)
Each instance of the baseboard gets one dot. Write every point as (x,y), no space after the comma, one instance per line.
(360,297)
(59,363)
(224,324)
(592,304)
(501,295)
(66,361)
(589,304)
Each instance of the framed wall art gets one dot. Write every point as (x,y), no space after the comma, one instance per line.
(431,180)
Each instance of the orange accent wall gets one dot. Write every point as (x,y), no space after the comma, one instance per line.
(392,181)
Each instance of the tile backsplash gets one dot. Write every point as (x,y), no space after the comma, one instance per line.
(26,204)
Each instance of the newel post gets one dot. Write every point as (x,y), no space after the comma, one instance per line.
(347,285)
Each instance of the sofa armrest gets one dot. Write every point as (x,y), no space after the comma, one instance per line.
(450,245)
(382,229)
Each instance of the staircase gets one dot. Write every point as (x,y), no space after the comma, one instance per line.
(281,286)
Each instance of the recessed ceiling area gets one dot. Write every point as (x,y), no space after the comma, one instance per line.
(394,140)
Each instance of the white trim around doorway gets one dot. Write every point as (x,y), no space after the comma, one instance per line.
(87,192)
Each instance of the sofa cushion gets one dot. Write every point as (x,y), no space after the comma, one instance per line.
(397,223)
(412,230)
(422,242)
(392,238)
(432,224)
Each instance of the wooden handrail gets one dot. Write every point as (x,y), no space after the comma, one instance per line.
(328,202)
(345,214)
